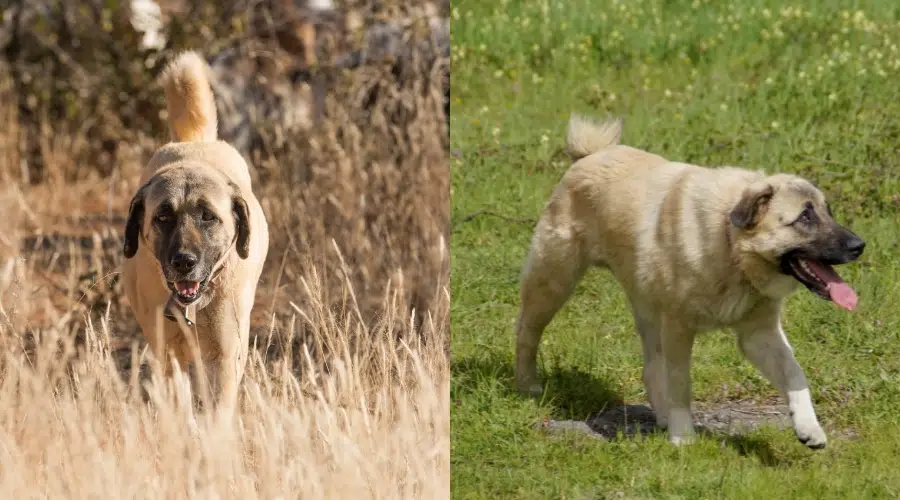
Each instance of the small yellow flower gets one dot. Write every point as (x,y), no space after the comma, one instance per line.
(774,124)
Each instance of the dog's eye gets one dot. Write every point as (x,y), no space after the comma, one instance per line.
(207,216)
(805,217)
(162,219)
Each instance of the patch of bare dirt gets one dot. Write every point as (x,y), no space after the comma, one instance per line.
(730,418)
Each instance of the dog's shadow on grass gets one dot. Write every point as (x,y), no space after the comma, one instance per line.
(572,393)
(583,402)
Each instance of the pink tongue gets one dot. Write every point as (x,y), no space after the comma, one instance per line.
(186,287)
(840,292)
(842,295)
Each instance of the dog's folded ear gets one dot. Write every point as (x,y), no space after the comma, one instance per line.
(242,225)
(133,224)
(752,205)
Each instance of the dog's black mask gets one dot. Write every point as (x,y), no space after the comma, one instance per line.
(812,264)
(189,236)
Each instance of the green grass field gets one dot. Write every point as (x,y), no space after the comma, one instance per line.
(807,88)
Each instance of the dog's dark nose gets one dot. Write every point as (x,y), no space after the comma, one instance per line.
(184,262)
(855,246)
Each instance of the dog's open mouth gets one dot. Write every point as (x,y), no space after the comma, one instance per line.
(821,278)
(186,291)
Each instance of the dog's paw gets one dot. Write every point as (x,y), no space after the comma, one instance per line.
(811,435)
(683,440)
(681,426)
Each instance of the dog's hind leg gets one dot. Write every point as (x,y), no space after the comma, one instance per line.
(763,342)
(554,266)
(654,364)
(677,344)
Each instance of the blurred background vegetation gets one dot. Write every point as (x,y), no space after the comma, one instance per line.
(342,110)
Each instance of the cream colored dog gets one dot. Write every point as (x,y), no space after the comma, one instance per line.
(195,240)
(695,249)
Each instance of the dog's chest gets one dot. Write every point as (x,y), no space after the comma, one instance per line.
(735,305)
(723,309)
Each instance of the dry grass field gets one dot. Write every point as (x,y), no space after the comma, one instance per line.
(346,392)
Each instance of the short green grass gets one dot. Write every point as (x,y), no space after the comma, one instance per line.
(809,88)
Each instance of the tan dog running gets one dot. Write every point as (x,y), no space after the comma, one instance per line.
(196,239)
(695,249)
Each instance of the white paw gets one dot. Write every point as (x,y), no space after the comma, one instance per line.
(683,440)
(811,435)
(681,426)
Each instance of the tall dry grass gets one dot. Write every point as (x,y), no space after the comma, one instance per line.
(371,421)
(347,388)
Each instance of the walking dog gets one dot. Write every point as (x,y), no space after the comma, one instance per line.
(196,239)
(695,249)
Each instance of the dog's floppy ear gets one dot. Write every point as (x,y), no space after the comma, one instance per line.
(752,205)
(133,225)
(242,225)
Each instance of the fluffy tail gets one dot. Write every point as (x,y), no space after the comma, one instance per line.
(189,99)
(588,136)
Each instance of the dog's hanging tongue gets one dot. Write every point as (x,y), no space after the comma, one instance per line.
(839,291)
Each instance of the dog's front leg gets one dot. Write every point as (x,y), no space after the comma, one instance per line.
(227,384)
(225,373)
(220,345)
(763,342)
(677,343)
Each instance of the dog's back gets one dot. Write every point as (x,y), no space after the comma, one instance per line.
(641,215)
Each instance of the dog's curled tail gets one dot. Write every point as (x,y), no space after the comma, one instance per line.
(587,136)
(189,99)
